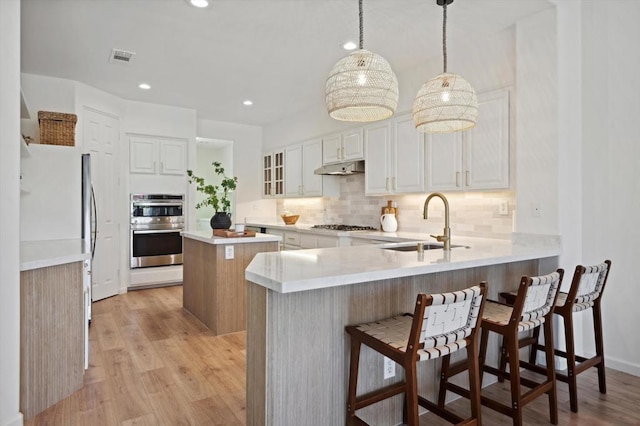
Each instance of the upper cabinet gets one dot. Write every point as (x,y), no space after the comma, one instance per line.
(300,162)
(394,157)
(343,147)
(474,159)
(151,156)
(273,174)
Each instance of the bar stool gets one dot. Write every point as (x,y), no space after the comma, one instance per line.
(441,324)
(585,293)
(532,308)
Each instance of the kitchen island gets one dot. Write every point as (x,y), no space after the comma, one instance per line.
(300,301)
(214,289)
(52,322)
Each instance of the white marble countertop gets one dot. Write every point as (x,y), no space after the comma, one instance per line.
(207,237)
(303,270)
(40,254)
(307,228)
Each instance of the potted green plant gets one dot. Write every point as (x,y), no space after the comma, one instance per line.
(216,196)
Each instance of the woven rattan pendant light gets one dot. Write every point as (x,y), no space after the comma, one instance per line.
(361,86)
(447,102)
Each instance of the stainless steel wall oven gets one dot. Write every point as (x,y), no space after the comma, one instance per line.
(156,223)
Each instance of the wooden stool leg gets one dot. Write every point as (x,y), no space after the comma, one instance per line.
(551,371)
(484,337)
(533,354)
(444,378)
(597,328)
(503,362)
(353,379)
(474,381)
(411,393)
(571,362)
(511,345)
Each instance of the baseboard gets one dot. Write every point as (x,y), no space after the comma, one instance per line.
(17,420)
(621,365)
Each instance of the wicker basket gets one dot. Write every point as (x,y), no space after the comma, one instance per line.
(57,128)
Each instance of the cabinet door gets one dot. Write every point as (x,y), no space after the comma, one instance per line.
(293,171)
(376,174)
(443,161)
(142,156)
(486,146)
(407,156)
(278,174)
(173,157)
(311,160)
(352,146)
(331,149)
(267,175)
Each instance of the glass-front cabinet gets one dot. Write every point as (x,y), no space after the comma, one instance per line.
(273,174)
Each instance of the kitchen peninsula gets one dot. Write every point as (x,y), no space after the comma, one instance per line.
(214,289)
(300,301)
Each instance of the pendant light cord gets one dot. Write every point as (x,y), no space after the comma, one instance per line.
(361,25)
(444,35)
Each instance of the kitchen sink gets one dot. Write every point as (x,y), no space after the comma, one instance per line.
(426,246)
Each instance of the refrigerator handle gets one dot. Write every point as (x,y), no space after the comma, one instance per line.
(94,236)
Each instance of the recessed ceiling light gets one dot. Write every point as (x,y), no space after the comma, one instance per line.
(349,45)
(199,3)
(247,103)
(144,86)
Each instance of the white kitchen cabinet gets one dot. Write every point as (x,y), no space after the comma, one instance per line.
(311,241)
(300,162)
(150,156)
(394,157)
(476,159)
(344,146)
(273,174)
(290,238)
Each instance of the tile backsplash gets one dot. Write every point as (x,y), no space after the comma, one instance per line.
(472,214)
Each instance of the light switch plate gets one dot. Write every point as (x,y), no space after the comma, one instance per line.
(228,252)
(389,368)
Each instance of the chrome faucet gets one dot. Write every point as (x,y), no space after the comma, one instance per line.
(446,238)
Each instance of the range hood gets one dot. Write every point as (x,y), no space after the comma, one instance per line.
(347,168)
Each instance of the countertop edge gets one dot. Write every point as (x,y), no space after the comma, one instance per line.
(42,254)
(206,237)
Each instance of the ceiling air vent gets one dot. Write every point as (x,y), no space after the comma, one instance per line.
(120,56)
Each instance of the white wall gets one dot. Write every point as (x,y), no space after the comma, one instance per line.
(610,176)
(247,160)
(10,213)
(536,106)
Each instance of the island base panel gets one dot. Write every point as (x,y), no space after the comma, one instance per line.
(298,373)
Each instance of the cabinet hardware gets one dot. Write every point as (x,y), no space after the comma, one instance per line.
(342,156)
(387,184)
(466,178)
(458,179)
(338,153)
(393,183)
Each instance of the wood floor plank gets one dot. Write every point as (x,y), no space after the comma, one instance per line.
(152,363)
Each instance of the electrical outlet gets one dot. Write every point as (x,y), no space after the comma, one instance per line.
(389,368)
(228,252)
(503,209)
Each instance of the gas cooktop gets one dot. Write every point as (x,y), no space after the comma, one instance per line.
(345,227)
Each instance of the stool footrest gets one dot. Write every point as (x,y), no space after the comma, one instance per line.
(440,411)
(384,393)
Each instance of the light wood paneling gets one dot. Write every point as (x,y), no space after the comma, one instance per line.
(51,335)
(215,290)
(256,365)
(307,349)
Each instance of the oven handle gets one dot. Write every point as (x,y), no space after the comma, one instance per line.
(157,204)
(156,231)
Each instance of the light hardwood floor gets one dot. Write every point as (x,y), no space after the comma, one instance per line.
(152,363)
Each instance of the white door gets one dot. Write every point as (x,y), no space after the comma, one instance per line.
(331,149)
(173,157)
(377,173)
(293,171)
(101,138)
(408,156)
(311,160)
(444,161)
(352,146)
